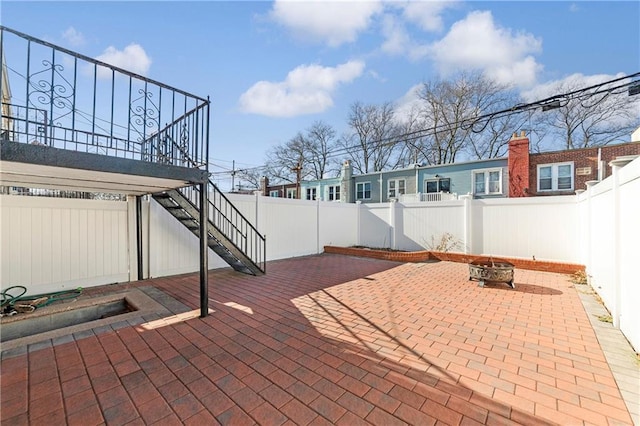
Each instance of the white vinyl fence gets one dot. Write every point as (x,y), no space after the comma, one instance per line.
(610,218)
(50,243)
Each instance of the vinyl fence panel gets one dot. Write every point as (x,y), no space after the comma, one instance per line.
(53,244)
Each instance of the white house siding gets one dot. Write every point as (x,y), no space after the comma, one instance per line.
(54,243)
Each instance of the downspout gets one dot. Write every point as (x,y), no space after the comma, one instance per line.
(600,168)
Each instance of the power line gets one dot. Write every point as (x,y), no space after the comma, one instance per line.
(552,102)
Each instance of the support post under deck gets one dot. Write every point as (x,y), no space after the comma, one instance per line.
(139,236)
(204,251)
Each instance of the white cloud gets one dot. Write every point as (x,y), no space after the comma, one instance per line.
(409,103)
(73,37)
(307,89)
(397,40)
(132,58)
(567,84)
(332,22)
(477,43)
(426,14)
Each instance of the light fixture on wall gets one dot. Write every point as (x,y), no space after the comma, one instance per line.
(437,176)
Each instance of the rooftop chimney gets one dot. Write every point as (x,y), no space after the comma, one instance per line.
(518,164)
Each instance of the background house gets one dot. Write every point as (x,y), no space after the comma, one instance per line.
(520,174)
(560,172)
(285,190)
(482,178)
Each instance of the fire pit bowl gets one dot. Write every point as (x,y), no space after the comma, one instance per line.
(491,270)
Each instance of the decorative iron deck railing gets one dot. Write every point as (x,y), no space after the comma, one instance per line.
(56,97)
(59,98)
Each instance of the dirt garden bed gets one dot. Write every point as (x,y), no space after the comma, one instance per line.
(428,255)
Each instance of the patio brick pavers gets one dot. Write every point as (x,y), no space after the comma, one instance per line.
(332,339)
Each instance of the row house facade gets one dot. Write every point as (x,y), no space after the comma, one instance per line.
(519,174)
(561,172)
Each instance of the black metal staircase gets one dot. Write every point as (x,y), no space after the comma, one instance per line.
(76,112)
(230,234)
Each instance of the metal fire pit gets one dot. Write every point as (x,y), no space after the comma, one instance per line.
(490,270)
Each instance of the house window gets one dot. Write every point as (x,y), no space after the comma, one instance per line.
(438,185)
(487,182)
(292,193)
(363,191)
(311,193)
(334,193)
(555,177)
(395,188)
(275,193)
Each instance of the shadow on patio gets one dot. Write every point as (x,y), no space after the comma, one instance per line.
(332,339)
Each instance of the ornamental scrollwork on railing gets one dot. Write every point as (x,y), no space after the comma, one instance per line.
(163,153)
(144,115)
(50,90)
(184,144)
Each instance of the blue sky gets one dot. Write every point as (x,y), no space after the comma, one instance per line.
(274,68)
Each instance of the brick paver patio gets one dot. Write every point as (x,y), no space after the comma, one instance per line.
(331,339)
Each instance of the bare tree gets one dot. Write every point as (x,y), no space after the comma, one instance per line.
(590,119)
(321,140)
(310,151)
(251,177)
(283,159)
(412,139)
(451,112)
(372,136)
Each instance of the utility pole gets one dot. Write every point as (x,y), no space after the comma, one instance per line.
(233,175)
(298,170)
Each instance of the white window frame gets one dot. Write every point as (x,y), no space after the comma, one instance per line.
(335,194)
(364,190)
(554,176)
(487,181)
(311,193)
(397,189)
(274,193)
(292,193)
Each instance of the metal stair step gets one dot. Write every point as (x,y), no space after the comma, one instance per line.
(179,206)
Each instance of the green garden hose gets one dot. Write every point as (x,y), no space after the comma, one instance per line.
(15,295)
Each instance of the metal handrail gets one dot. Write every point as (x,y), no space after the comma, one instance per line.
(228,220)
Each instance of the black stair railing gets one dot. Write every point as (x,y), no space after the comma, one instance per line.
(229,221)
(223,214)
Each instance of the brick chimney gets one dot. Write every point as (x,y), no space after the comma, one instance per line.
(518,165)
(264,186)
